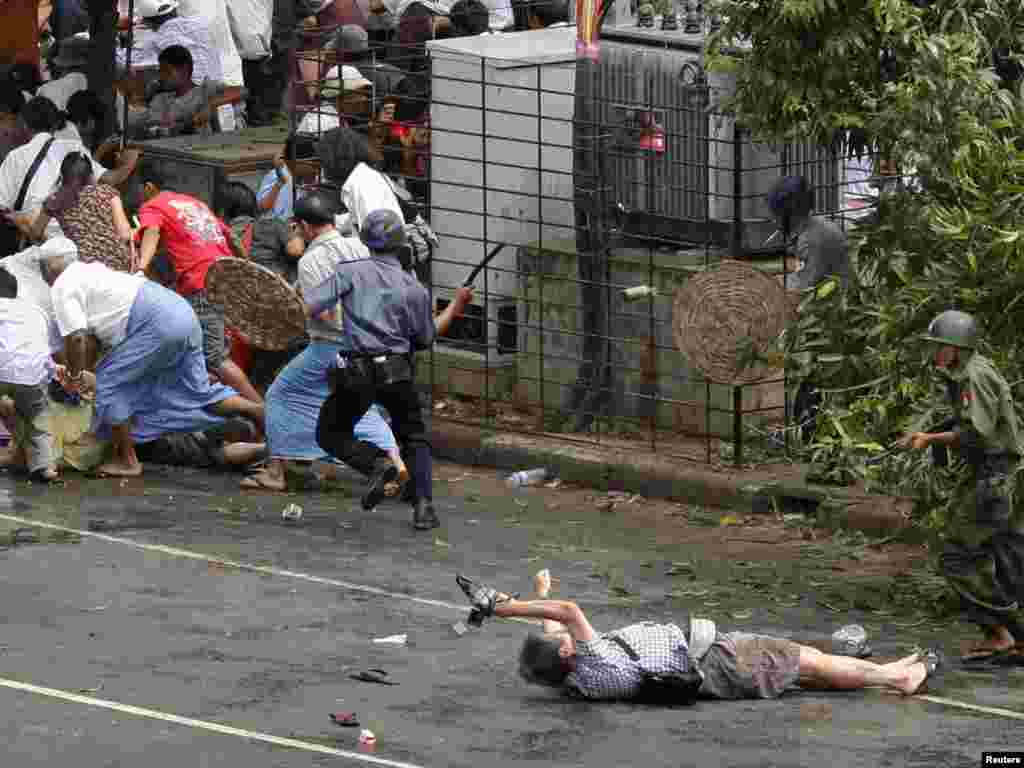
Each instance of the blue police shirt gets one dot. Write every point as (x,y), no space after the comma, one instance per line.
(385,309)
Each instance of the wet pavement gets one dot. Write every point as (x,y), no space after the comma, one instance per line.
(181,596)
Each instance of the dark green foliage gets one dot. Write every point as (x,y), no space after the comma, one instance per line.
(918,85)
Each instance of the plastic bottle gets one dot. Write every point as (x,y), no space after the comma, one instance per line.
(527,477)
(639,292)
(851,640)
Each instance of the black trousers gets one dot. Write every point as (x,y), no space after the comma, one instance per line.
(265,81)
(409,422)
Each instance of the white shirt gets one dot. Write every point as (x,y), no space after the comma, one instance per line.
(93,297)
(366,190)
(215,13)
(251,26)
(193,33)
(501,16)
(59,91)
(24,265)
(69,133)
(318,263)
(24,343)
(15,168)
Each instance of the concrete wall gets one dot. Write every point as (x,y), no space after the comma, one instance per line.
(651,379)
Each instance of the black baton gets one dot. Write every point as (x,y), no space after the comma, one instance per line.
(487,260)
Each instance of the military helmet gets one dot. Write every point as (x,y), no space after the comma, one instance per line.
(955,329)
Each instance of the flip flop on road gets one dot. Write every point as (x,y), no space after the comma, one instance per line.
(345,719)
(934,665)
(378,676)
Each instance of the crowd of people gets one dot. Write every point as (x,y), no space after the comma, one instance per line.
(112,352)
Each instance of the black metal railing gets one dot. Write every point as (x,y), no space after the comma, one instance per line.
(598,189)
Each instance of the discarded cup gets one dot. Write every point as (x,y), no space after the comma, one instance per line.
(392,640)
(292,513)
(527,477)
(366,737)
(851,640)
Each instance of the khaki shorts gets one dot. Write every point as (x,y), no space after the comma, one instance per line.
(744,666)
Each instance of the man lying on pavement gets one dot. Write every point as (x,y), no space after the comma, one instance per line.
(632,662)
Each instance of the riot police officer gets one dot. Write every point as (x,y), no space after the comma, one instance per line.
(387,317)
(983,558)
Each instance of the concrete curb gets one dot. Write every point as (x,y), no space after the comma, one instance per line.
(612,470)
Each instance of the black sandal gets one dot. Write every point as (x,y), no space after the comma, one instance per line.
(934,665)
(378,676)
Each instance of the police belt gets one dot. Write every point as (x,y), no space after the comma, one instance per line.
(383,368)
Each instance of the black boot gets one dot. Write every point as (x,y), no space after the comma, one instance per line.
(384,472)
(423,516)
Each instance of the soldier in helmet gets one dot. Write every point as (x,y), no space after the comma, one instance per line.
(984,556)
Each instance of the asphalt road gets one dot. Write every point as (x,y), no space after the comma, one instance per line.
(142,612)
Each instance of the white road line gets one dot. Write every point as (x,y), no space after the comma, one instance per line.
(270,571)
(263,569)
(997,711)
(227,730)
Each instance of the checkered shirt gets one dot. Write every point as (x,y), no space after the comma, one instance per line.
(605,671)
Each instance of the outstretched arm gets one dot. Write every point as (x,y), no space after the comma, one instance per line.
(563,612)
(542,589)
(443,321)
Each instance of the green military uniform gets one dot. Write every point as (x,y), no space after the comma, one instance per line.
(984,555)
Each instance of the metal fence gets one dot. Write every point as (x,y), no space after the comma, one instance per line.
(591,192)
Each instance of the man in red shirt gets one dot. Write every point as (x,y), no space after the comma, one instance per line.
(193,238)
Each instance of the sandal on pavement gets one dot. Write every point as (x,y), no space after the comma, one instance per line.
(378,676)
(345,719)
(934,665)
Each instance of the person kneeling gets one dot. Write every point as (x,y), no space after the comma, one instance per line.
(153,379)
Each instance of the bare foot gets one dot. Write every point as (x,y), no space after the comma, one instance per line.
(906,661)
(916,673)
(114,469)
(264,481)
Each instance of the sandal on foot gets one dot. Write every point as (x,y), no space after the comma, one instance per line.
(934,665)
(1014,657)
(985,655)
(256,483)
